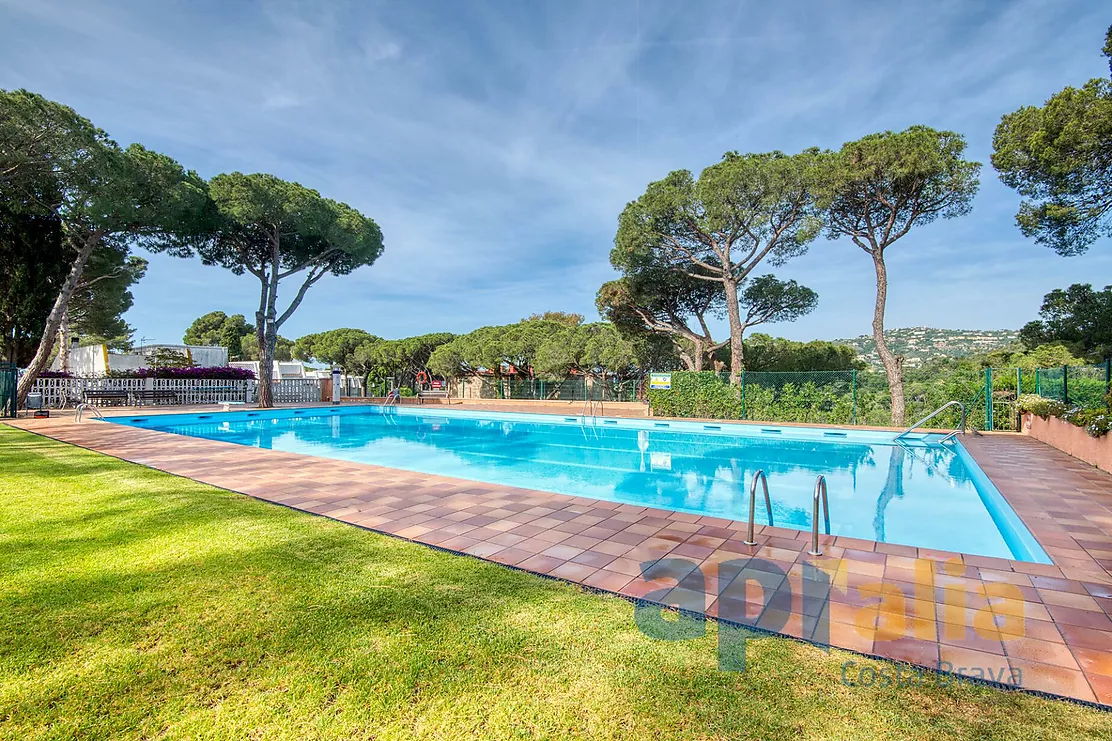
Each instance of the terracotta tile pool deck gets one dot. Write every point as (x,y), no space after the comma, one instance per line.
(1045,628)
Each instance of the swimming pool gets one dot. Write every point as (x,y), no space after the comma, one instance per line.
(918,493)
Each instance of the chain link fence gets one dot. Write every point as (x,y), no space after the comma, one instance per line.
(570,389)
(828,397)
(990,395)
(1084,386)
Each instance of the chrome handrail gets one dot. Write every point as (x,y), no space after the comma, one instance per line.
(820,489)
(935,413)
(392,397)
(589,406)
(758,476)
(80,408)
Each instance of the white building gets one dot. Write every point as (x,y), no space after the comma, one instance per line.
(282,370)
(95,360)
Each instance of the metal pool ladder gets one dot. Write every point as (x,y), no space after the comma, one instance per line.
(80,408)
(949,436)
(391,398)
(820,491)
(592,407)
(758,476)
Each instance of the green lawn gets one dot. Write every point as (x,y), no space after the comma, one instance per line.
(134,604)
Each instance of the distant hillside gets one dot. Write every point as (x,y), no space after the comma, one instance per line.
(920,344)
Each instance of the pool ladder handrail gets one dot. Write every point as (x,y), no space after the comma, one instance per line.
(392,397)
(820,491)
(949,436)
(589,407)
(750,533)
(80,408)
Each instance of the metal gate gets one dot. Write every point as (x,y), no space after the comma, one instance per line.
(9,377)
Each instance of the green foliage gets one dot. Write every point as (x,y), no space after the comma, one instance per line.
(542,349)
(1040,406)
(560,317)
(1096,422)
(875,189)
(35,264)
(495,348)
(1079,317)
(768,299)
(274,230)
(165,357)
(1044,356)
(702,395)
(1059,158)
(766,353)
(654,298)
(819,397)
(103,295)
(719,227)
(55,163)
(335,347)
(401,359)
(406,391)
(283,348)
(217,328)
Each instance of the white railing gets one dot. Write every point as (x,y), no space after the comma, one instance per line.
(58,392)
(297,390)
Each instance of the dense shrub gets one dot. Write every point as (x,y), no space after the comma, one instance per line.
(701,394)
(1040,406)
(1096,422)
(55,374)
(222,372)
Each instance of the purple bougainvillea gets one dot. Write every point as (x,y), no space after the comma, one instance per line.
(227,373)
(55,374)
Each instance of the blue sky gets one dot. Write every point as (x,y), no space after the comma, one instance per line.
(495,142)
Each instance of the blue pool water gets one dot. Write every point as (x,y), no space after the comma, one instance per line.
(921,493)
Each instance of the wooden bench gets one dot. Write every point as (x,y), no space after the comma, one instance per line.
(107,395)
(432,394)
(156,396)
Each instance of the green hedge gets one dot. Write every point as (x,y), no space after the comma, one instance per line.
(767,398)
(697,394)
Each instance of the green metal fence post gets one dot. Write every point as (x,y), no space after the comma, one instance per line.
(743,394)
(1038,386)
(988,398)
(1018,383)
(855,396)
(1065,385)
(1108,382)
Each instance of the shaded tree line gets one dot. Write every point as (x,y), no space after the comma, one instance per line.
(74,203)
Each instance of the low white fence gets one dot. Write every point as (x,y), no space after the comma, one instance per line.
(296,390)
(59,392)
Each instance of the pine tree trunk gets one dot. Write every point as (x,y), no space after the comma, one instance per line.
(266,359)
(266,372)
(54,319)
(893,364)
(64,337)
(733,313)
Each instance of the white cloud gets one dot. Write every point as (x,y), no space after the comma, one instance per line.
(496,142)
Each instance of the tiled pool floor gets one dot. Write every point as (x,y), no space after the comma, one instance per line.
(1047,625)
